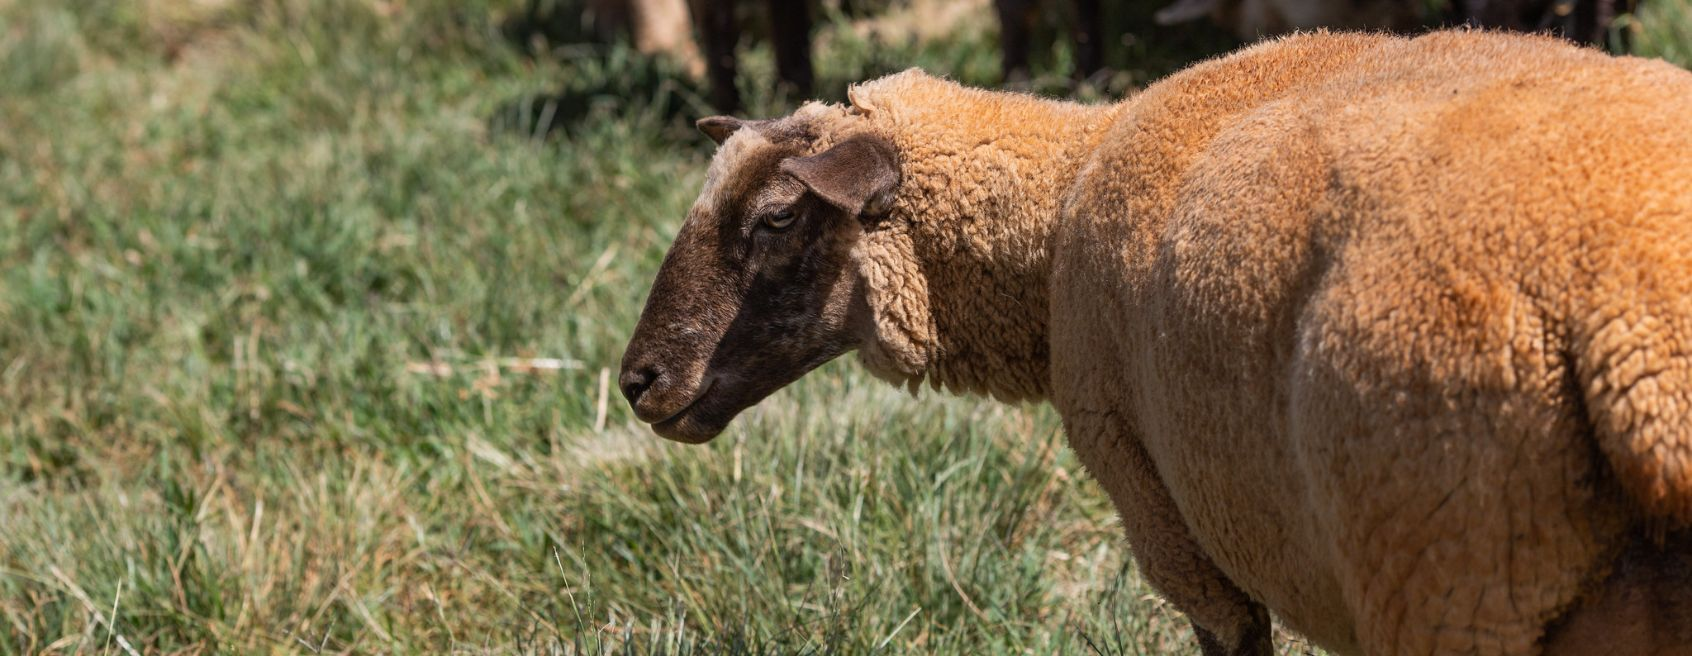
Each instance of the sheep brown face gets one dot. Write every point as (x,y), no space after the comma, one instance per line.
(758,288)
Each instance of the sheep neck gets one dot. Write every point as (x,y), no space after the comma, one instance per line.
(984,175)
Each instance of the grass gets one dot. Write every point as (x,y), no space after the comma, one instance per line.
(304,347)
(1664,30)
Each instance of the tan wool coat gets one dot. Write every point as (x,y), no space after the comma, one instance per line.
(1389,337)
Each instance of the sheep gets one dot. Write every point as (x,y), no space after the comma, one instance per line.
(1352,328)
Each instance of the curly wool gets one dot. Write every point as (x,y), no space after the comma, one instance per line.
(956,274)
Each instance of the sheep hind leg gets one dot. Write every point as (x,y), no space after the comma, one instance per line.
(1254,638)
(1643,608)
(1226,621)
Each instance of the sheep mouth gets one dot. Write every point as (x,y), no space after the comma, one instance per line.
(692,424)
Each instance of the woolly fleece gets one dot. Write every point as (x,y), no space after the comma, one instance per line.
(1390,336)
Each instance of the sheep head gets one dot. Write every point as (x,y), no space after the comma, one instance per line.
(760,286)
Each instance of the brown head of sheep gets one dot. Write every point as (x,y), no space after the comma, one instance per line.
(756,292)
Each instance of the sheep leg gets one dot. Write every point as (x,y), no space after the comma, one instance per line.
(1089,39)
(1254,640)
(1644,607)
(1226,620)
(1016,18)
(790,30)
(720,34)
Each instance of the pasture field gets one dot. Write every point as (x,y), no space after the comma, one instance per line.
(307,332)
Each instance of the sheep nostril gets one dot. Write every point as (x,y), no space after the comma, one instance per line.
(635,382)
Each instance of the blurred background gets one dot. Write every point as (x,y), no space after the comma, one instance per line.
(309,310)
(763,54)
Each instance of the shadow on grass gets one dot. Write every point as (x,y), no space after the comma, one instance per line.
(559,633)
(627,642)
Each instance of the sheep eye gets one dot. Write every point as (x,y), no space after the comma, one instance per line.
(780,219)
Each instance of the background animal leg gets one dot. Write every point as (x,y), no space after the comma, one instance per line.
(1016,18)
(720,35)
(790,31)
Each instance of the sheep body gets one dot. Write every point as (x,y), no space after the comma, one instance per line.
(1374,312)
(1371,332)
(1387,335)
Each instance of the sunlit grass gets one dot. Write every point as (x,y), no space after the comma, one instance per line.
(272,294)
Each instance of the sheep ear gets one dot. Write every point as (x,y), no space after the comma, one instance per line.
(858,175)
(719,128)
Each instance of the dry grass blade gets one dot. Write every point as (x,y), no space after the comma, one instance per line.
(93,611)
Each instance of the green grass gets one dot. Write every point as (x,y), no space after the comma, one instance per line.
(267,274)
(1664,30)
